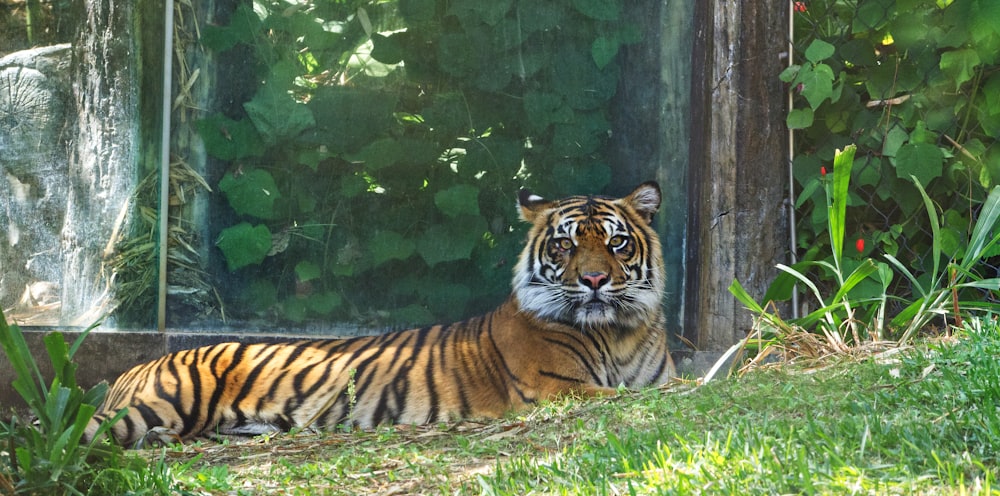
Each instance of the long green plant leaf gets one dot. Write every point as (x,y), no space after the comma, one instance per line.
(743,297)
(932,217)
(984,225)
(896,264)
(843,162)
(859,274)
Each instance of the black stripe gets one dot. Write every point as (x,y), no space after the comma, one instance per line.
(514,380)
(432,369)
(584,360)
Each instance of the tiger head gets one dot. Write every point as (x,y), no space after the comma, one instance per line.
(591,261)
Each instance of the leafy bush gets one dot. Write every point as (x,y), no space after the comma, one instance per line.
(46,456)
(914,85)
(373,167)
(845,317)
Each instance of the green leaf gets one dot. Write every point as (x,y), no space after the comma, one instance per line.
(843,163)
(390,245)
(323,303)
(295,309)
(859,274)
(921,160)
(251,192)
(452,241)
(789,73)
(544,109)
(819,50)
(276,115)
(311,157)
(462,199)
(307,271)
(244,244)
(893,140)
(603,50)
(799,118)
(602,10)
(244,24)
(577,139)
(872,15)
(378,154)
(458,55)
(577,78)
(24,366)
(227,139)
(817,84)
(736,289)
(960,65)
(387,49)
(348,118)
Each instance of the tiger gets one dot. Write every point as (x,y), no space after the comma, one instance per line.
(584,318)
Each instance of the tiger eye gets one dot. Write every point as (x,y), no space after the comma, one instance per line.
(617,241)
(563,244)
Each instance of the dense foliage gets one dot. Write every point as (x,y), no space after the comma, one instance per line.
(373,170)
(914,84)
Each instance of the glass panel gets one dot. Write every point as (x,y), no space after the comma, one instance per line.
(364,156)
(73,131)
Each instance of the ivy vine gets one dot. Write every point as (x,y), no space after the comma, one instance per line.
(372,173)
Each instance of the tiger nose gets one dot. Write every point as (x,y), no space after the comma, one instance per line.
(594,280)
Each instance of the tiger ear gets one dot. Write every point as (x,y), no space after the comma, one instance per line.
(645,200)
(530,205)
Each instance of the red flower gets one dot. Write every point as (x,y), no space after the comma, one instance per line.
(822,171)
(860,245)
(800,6)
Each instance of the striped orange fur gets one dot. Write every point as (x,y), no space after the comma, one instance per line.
(584,317)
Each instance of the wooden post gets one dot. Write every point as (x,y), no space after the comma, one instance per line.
(737,222)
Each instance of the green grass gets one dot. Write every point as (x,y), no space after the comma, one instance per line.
(922,420)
